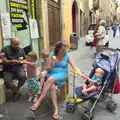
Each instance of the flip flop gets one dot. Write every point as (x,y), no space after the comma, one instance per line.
(55,116)
(33,108)
(1,116)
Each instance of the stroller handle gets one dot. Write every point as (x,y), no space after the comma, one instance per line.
(118,49)
(74,71)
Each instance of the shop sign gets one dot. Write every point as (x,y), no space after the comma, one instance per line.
(18,13)
(6,25)
(33,8)
(33,28)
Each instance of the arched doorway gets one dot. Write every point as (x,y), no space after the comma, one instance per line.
(74,16)
(81,23)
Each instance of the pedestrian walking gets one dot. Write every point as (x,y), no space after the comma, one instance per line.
(114,28)
(119,28)
(117,31)
(100,36)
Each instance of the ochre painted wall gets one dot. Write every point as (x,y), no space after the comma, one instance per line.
(66,21)
(44,24)
(67,9)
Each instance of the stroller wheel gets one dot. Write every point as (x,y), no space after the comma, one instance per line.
(70,108)
(111,106)
(86,117)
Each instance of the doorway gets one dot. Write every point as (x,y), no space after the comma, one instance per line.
(81,23)
(54,21)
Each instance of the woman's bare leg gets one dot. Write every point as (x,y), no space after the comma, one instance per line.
(54,100)
(46,87)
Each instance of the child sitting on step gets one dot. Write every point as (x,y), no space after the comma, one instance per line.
(45,67)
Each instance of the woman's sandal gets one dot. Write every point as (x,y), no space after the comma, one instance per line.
(55,116)
(33,108)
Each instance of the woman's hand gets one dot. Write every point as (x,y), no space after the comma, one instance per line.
(82,75)
(75,68)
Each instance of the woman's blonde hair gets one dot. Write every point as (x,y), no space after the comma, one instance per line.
(33,55)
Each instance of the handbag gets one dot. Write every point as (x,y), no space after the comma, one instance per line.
(94,42)
(117,86)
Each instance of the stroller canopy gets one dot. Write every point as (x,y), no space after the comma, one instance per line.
(107,60)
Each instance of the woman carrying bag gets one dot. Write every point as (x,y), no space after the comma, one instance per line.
(100,37)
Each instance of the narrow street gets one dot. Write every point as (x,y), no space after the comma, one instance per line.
(83,58)
(84,61)
(31,27)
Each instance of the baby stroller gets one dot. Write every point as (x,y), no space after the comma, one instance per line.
(108,60)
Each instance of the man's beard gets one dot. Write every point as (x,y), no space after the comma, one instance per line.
(15,49)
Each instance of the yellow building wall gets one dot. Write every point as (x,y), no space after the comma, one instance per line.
(44,24)
(67,19)
(67,9)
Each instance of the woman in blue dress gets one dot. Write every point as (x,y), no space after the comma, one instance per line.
(57,75)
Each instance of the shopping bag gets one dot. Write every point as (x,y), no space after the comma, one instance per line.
(94,42)
(117,86)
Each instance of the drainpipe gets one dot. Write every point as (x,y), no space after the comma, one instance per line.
(38,3)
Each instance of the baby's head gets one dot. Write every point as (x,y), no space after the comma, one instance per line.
(99,72)
(32,56)
(45,54)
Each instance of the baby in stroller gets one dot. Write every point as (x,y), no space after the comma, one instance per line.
(94,83)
